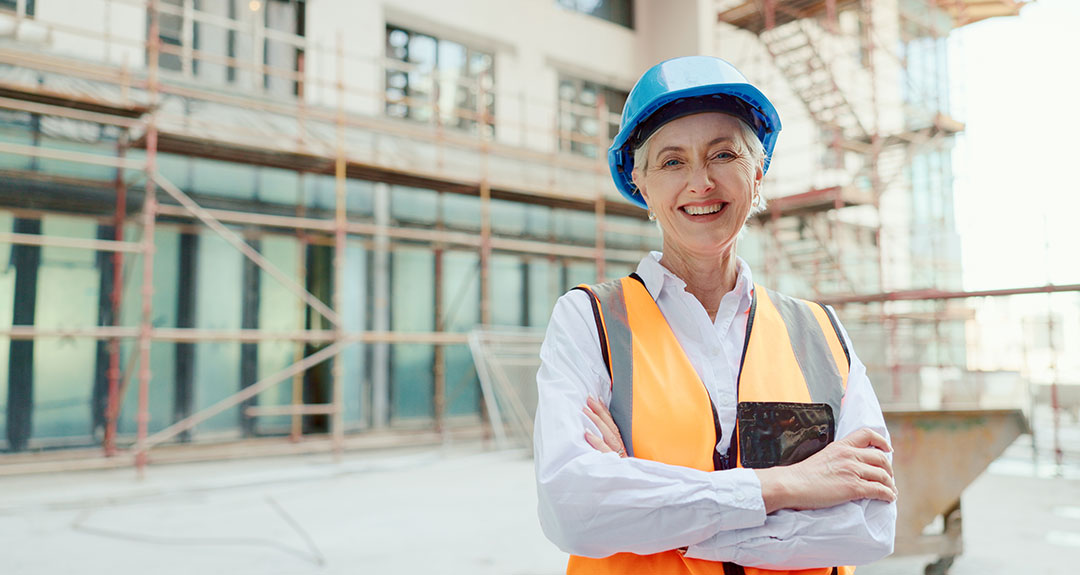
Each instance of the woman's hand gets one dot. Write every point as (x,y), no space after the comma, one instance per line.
(610,440)
(855,467)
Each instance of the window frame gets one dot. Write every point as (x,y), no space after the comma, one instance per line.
(575,110)
(402,70)
(253,76)
(604,10)
(13,7)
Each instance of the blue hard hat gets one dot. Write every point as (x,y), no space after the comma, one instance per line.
(680,87)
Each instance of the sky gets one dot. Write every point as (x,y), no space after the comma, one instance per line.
(1016,187)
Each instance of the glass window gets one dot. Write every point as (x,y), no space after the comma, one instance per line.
(279,309)
(506,289)
(282,57)
(170,32)
(218,300)
(412,308)
(589,116)
(67,296)
(632,234)
(620,12)
(320,192)
(616,270)
(460,211)
(12,5)
(69,141)
(277,186)
(576,227)
(508,218)
(354,314)
(222,48)
(223,178)
(7,305)
(414,205)
(579,272)
(544,289)
(538,221)
(461,312)
(167,285)
(18,128)
(439,81)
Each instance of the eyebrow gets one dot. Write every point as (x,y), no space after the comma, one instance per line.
(720,140)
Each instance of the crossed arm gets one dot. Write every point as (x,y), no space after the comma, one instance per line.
(856,467)
(836,508)
(835,486)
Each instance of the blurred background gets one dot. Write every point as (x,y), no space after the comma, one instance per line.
(274,273)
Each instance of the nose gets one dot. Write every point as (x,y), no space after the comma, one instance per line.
(701,181)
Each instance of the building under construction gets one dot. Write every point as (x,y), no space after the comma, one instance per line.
(270,225)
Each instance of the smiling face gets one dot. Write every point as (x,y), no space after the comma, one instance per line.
(700,179)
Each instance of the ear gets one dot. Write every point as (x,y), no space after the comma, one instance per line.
(759,175)
(639,182)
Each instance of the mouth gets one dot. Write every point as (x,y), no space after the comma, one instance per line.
(701,211)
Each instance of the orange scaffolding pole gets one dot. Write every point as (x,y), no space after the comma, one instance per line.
(115,301)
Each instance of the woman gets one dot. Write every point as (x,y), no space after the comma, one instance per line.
(688,420)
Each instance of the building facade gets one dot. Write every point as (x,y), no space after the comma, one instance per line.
(403,172)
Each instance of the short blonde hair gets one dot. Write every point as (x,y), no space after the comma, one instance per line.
(747,145)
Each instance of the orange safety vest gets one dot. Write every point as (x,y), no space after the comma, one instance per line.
(791,382)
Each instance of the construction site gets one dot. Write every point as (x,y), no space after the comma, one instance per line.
(274,242)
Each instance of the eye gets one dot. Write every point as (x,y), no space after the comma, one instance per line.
(671,163)
(723,155)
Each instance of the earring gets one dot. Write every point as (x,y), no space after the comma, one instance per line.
(652,216)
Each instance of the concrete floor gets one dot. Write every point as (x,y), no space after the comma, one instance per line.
(449,510)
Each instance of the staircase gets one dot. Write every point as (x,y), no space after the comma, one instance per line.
(810,242)
(794,53)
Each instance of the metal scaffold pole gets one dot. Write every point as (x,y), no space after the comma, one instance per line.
(601,166)
(338,370)
(261,111)
(112,404)
(892,352)
(485,252)
(149,218)
(297,389)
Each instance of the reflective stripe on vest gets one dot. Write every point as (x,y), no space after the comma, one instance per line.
(664,412)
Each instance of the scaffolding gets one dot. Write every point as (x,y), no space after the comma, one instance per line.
(807,234)
(847,260)
(838,239)
(288,133)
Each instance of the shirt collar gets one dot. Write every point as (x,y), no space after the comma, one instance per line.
(657,278)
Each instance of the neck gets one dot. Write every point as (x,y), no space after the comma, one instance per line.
(708,276)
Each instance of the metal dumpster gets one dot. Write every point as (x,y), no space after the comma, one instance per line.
(936,455)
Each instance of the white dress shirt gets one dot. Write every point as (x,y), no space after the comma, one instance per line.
(596,504)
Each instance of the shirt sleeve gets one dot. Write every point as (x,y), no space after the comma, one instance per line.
(852,533)
(597,504)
